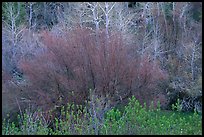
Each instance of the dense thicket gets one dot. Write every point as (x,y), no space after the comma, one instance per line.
(54,53)
(83,63)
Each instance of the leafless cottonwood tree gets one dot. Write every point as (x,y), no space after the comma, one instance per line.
(11,29)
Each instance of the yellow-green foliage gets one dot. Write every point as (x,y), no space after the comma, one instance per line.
(135,119)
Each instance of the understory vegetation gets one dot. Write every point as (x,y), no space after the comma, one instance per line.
(133,119)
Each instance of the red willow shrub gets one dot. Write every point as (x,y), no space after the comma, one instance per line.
(149,76)
(77,61)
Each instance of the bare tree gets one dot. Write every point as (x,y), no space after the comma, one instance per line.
(12,30)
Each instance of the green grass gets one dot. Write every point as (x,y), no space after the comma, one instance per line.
(134,119)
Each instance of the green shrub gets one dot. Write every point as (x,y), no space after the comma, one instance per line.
(135,119)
